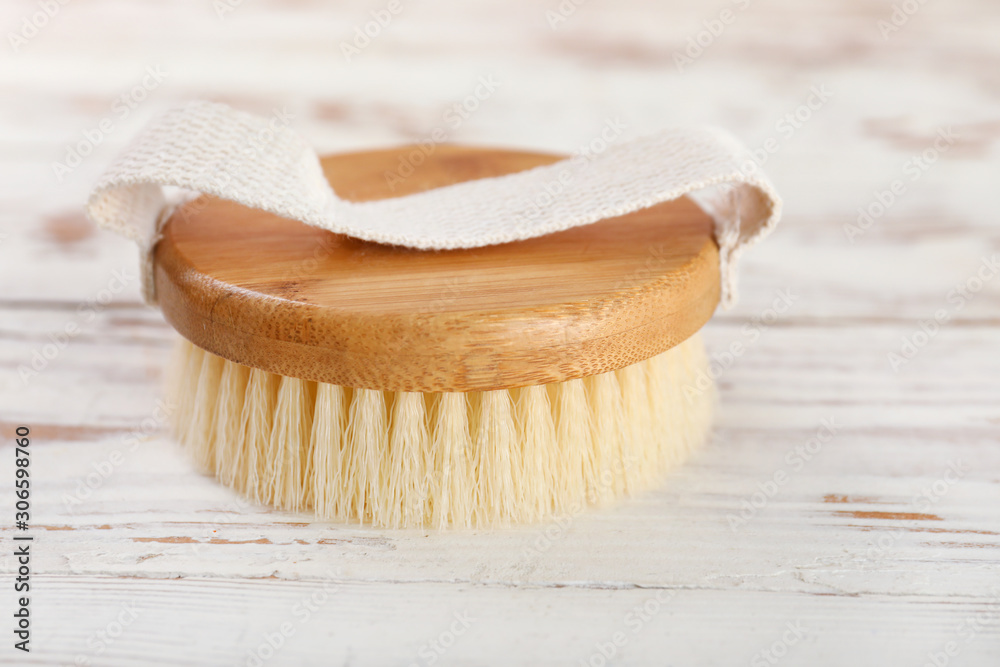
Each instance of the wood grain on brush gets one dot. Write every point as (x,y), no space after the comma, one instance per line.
(300,301)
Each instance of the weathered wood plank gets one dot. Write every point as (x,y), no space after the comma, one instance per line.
(833,520)
(329,621)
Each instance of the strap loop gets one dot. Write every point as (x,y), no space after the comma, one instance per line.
(210,148)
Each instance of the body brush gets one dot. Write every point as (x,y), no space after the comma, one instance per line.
(434,336)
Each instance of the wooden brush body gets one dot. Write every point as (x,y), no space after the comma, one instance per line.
(403,387)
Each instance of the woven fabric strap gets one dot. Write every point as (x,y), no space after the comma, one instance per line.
(213,149)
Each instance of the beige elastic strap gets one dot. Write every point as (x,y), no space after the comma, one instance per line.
(211,148)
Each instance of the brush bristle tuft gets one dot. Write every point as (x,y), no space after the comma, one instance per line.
(406,459)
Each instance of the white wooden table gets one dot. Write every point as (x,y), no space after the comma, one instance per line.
(882,544)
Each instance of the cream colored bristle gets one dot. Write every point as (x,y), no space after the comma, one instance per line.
(229,408)
(405,459)
(366,433)
(289,453)
(203,416)
(537,435)
(185,390)
(329,426)
(662,407)
(405,482)
(256,421)
(179,376)
(496,458)
(574,466)
(640,458)
(609,442)
(452,482)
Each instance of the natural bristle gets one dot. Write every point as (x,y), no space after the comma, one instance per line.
(406,459)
